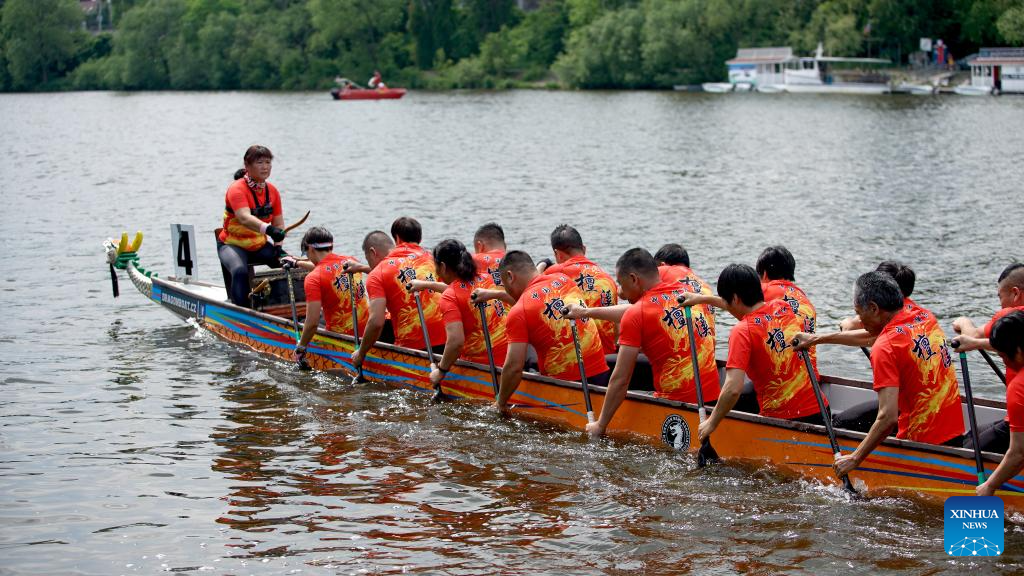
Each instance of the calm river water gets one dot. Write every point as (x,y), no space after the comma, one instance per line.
(133,443)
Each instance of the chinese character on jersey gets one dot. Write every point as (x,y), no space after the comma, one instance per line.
(923,347)
(777,340)
(674,318)
(554,309)
(585,282)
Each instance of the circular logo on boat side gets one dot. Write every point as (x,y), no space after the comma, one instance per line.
(675,432)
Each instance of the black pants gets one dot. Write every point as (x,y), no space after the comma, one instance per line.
(237,261)
(994,438)
(859,417)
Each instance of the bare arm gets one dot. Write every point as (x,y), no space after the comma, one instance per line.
(511,373)
(609,313)
(726,400)
(965,343)
(309,326)
(853,338)
(963,325)
(694,299)
(888,412)
(482,295)
(617,387)
(1012,464)
(420,285)
(374,326)
(355,267)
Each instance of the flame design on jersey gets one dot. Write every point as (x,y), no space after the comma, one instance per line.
(475,346)
(598,289)
(941,392)
(339,319)
(418,265)
(561,357)
(789,375)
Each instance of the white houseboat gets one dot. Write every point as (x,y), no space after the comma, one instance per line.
(994,71)
(816,74)
(757,68)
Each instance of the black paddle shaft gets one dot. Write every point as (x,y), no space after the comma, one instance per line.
(583,374)
(978,463)
(482,306)
(291,298)
(706,452)
(825,417)
(354,294)
(992,363)
(426,340)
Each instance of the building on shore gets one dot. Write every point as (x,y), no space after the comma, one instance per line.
(755,67)
(999,69)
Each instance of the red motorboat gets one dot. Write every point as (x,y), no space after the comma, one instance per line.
(367,94)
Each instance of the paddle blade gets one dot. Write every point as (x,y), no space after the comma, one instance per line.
(848,486)
(706,454)
(438,395)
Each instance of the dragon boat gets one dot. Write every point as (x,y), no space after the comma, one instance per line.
(896,468)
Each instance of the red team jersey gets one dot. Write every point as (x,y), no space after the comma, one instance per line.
(404,263)
(760,346)
(1011,374)
(239,196)
(536,319)
(799,302)
(457,307)
(487,263)
(1015,402)
(599,289)
(911,354)
(329,285)
(656,324)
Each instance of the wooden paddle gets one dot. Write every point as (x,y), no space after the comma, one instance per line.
(438,395)
(355,326)
(995,367)
(259,287)
(297,224)
(826,417)
(295,315)
(706,453)
(482,306)
(979,464)
(583,374)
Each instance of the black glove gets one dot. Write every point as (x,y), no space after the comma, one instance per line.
(300,357)
(545,261)
(276,234)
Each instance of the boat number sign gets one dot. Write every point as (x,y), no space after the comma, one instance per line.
(675,432)
(183,249)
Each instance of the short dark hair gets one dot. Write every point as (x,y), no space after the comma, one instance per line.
(566,238)
(1008,334)
(777,262)
(317,235)
(490,232)
(901,273)
(1016,270)
(239,173)
(673,255)
(376,239)
(637,261)
(454,255)
(406,229)
(257,152)
(879,288)
(740,280)
(516,261)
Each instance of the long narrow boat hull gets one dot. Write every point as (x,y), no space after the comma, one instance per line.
(366,94)
(896,467)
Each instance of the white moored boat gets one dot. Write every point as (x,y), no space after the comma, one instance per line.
(970,90)
(717,87)
(813,75)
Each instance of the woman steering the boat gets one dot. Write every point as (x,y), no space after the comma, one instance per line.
(253,224)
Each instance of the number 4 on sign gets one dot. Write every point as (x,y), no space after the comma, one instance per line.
(183,246)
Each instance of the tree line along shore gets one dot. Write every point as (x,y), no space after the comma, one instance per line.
(52,45)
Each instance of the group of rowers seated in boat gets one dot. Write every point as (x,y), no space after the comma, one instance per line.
(528,307)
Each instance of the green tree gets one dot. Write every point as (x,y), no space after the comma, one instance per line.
(1011,25)
(354,33)
(41,37)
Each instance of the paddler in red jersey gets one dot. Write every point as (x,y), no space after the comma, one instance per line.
(912,371)
(464,333)
(329,291)
(759,349)
(598,286)
(392,265)
(1007,338)
(489,249)
(538,319)
(252,214)
(655,324)
(1010,290)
